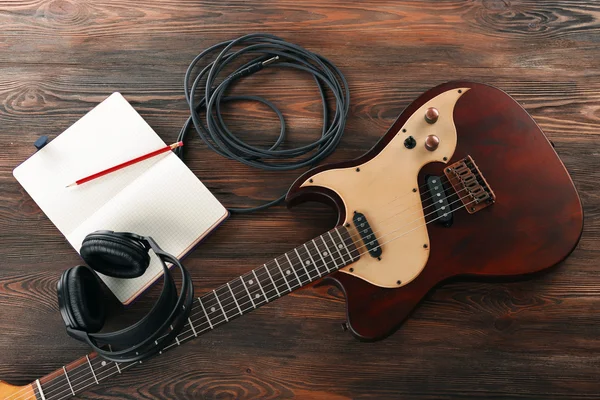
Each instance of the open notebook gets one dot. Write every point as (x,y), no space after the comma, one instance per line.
(158,197)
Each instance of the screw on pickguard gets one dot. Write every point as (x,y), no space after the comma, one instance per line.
(366,234)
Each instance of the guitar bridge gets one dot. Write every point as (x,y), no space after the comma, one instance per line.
(470,185)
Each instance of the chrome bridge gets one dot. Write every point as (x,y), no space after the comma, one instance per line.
(470,185)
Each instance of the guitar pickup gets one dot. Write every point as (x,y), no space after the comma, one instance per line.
(366,234)
(439,200)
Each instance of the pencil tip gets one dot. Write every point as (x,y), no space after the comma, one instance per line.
(72,184)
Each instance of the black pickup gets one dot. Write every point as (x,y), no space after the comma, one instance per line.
(439,200)
(366,234)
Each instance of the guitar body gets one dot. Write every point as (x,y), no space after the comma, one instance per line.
(533,221)
(16,392)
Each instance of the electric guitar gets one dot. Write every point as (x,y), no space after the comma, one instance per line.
(464,183)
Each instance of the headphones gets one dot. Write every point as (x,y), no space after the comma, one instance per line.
(122,255)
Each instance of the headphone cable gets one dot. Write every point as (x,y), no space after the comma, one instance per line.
(205,97)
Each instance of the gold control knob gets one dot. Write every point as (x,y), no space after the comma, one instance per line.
(432,142)
(431,115)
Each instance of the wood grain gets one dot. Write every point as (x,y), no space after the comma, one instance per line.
(533,339)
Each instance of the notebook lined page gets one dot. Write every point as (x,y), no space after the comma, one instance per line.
(168,203)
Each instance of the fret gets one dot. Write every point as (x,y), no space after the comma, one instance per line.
(219,301)
(270,277)
(343,245)
(303,263)
(342,259)
(283,275)
(91,368)
(313,261)
(320,255)
(247,291)
(234,299)
(278,278)
(205,313)
(68,380)
(116,363)
(192,326)
(40,391)
(260,286)
(300,283)
(176,338)
(326,253)
(267,284)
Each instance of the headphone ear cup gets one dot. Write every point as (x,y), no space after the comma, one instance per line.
(86,298)
(115,256)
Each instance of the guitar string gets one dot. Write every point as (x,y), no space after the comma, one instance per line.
(281,281)
(352,236)
(388,219)
(420,188)
(230,306)
(334,260)
(216,323)
(74,382)
(225,306)
(189,337)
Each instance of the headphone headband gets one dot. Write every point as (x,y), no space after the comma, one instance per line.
(150,334)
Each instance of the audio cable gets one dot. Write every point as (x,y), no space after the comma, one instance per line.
(206,85)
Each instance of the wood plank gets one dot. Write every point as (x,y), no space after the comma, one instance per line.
(532,339)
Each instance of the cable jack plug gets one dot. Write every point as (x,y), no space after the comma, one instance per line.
(254,67)
(269,61)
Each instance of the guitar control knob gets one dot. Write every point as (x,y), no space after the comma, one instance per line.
(432,142)
(431,115)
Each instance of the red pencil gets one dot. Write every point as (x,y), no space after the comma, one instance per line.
(126,164)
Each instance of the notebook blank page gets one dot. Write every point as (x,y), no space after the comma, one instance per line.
(158,197)
(111,133)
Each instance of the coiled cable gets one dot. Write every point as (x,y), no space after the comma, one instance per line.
(205,94)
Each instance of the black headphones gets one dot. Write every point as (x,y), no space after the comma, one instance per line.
(122,255)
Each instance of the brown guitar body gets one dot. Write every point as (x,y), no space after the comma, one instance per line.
(535,222)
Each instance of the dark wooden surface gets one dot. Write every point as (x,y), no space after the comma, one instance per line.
(532,339)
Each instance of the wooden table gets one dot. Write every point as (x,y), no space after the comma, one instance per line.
(532,339)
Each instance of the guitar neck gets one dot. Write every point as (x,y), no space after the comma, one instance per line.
(284,274)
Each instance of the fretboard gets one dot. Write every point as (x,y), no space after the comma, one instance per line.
(292,270)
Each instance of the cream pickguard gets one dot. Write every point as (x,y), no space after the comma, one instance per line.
(383,190)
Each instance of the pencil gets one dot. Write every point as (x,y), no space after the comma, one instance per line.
(126,164)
